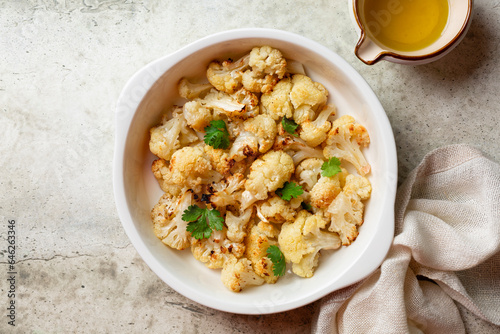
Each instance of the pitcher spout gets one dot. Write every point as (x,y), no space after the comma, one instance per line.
(368,51)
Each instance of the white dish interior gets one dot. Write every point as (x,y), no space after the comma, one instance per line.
(153,89)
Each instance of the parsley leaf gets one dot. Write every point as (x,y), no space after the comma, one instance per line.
(289,190)
(215,221)
(192,213)
(331,167)
(217,135)
(202,221)
(289,125)
(279,264)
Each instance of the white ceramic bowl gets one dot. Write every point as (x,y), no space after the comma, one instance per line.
(153,88)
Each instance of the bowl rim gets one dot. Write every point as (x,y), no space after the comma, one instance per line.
(127,104)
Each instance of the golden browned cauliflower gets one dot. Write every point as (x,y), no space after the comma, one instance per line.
(189,168)
(223,103)
(162,174)
(216,104)
(255,82)
(297,148)
(345,140)
(346,210)
(268,60)
(277,210)
(327,188)
(190,90)
(226,76)
(250,100)
(257,137)
(170,135)
(359,185)
(315,132)
(268,173)
(197,116)
(237,274)
(308,172)
(167,220)
(267,67)
(257,71)
(261,236)
(276,103)
(301,240)
(237,224)
(227,192)
(214,251)
(220,160)
(265,184)
(306,96)
(324,192)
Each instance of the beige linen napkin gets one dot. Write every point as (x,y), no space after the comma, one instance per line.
(445,255)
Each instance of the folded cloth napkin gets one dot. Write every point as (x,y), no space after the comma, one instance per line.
(445,255)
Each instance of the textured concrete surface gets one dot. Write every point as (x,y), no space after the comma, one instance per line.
(63,64)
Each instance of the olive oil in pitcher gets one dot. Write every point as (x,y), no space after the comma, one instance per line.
(405,25)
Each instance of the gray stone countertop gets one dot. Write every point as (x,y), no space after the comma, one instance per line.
(63,64)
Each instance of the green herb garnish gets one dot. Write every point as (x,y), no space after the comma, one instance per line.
(289,190)
(289,125)
(331,167)
(217,135)
(278,259)
(202,221)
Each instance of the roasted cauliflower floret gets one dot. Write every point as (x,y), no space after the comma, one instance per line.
(357,184)
(214,251)
(190,90)
(170,135)
(256,82)
(267,67)
(228,191)
(346,210)
(306,96)
(220,159)
(327,188)
(268,60)
(257,71)
(237,224)
(325,191)
(189,168)
(197,116)
(315,132)
(298,149)
(223,103)
(276,103)
(345,140)
(257,137)
(308,172)
(237,274)
(226,76)
(216,105)
(268,173)
(250,100)
(167,220)
(259,239)
(161,171)
(277,210)
(301,240)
